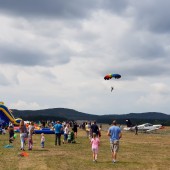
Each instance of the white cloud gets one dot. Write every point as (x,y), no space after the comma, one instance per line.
(161,88)
(58,59)
(25,105)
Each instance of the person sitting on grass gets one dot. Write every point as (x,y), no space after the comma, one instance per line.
(71,137)
(58,131)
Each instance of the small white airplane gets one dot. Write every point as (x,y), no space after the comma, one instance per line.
(146,127)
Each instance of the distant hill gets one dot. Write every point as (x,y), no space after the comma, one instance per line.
(70,114)
(64,113)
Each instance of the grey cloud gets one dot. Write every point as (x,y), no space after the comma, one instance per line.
(63,9)
(51,8)
(145,69)
(3,80)
(15,55)
(142,45)
(152,15)
(148,49)
(115,6)
(11,54)
(86,37)
(146,14)
(48,74)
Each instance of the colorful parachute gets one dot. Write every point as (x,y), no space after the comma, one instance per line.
(109,76)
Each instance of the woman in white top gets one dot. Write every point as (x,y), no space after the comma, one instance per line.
(66,131)
(23,133)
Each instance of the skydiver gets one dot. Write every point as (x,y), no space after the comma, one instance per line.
(112,88)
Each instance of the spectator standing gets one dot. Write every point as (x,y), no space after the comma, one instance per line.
(58,130)
(136,130)
(42,140)
(66,131)
(75,127)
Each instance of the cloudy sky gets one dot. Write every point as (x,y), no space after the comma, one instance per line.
(55,53)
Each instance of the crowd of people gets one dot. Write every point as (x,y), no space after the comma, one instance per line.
(69,131)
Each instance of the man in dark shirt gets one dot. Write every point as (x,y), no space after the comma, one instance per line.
(94,128)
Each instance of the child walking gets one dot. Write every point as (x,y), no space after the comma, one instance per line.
(42,140)
(95,146)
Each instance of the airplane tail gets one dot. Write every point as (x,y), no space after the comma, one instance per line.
(128,123)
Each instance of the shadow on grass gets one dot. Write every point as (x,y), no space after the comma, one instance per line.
(38,150)
(74,143)
(102,162)
(118,162)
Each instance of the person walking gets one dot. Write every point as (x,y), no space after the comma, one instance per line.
(94,129)
(58,129)
(23,133)
(87,127)
(95,146)
(115,134)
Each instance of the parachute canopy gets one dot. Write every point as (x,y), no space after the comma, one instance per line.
(109,76)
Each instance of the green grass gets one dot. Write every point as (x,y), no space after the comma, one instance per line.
(137,152)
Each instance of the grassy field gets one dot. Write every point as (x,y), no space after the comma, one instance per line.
(143,152)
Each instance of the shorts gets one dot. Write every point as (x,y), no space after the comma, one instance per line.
(114,146)
(95,150)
